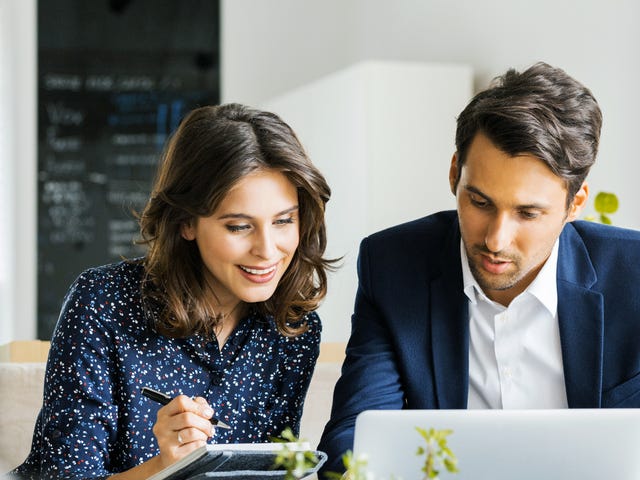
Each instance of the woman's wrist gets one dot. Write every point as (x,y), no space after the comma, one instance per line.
(142,471)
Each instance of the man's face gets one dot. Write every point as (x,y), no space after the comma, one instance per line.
(511,211)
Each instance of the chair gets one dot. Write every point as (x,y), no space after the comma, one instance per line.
(22,368)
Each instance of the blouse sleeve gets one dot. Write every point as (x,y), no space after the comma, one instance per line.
(78,421)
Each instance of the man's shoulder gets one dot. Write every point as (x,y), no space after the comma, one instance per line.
(595,235)
(611,253)
(432,226)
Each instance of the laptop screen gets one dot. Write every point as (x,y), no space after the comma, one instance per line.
(568,444)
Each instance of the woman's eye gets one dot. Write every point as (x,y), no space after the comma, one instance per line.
(237,228)
(284,221)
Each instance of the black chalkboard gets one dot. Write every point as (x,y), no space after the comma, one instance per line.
(114,80)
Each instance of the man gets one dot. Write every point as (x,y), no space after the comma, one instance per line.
(506,302)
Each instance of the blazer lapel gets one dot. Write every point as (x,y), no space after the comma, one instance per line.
(450,328)
(581,321)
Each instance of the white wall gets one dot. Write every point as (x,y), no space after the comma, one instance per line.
(17,169)
(270,47)
(376,130)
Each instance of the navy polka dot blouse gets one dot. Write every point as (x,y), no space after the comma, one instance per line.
(94,421)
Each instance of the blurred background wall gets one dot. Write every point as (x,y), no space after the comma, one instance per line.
(270,49)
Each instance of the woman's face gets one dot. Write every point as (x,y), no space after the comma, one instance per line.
(249,241)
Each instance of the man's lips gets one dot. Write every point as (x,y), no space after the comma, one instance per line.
(494,265)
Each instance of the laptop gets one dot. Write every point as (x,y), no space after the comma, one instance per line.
(568,444)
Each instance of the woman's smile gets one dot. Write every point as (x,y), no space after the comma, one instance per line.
(258,274)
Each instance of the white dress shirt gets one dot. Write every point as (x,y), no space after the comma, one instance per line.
(515,359)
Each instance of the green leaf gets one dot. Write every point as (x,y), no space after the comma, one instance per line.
(451,464)
(295,462)
(606,202)
(437,453)
(605,219)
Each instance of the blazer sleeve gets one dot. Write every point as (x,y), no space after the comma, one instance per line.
(370,377)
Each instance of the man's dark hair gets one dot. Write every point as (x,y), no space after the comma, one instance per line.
(541,112)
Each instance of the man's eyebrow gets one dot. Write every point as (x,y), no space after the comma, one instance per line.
(474,190)
(526,206)
(244,216)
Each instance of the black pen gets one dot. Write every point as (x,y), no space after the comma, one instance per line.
(163,399)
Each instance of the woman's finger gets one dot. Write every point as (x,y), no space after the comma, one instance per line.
(182,426)
(189,435)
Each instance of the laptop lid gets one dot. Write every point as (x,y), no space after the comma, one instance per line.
(568,444)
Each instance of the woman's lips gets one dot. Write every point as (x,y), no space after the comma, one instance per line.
(258,274)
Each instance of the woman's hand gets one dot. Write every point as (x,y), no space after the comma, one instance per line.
(182,426)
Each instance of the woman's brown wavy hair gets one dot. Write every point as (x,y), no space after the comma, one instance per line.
(212,149)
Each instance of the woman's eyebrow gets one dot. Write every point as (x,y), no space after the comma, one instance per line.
(249,217)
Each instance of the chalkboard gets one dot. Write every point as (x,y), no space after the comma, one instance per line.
(106,107)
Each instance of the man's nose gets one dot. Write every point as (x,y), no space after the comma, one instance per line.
(500,232)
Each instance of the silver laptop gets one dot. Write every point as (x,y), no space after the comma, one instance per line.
(571,444)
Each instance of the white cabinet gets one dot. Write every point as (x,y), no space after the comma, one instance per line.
(383,135)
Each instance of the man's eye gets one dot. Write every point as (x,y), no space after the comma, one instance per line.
(528,215)
(479,203)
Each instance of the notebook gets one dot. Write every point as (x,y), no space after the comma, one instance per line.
(246,461)
(569,444)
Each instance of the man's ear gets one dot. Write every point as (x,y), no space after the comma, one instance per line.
(453,173)
(579,202)
(188,231)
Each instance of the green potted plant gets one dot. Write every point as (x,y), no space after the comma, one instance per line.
(296,462)
(604,204)
(355,468)
(437,453)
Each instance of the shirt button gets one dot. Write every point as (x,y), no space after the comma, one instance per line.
(216,377)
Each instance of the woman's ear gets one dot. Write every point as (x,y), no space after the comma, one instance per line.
(579,202)
(188,231)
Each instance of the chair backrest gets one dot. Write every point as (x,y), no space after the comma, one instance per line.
(21,387)
(24,351)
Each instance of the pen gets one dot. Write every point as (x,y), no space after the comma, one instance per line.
(163,399)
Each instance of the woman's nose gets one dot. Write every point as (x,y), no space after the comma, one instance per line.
(264,244)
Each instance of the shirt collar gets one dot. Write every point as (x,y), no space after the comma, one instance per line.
(543,287)
(470,285)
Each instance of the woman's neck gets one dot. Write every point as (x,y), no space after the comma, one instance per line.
(228,323)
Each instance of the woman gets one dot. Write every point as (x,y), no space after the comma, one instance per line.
(219,314)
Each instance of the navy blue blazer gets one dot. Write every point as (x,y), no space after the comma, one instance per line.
(410,332)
